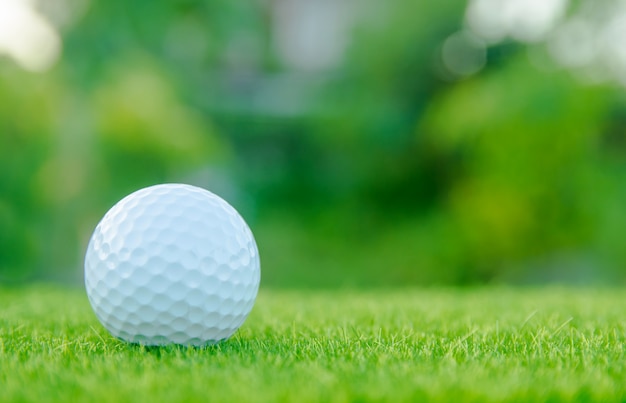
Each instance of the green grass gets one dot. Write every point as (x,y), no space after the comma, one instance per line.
(491,344)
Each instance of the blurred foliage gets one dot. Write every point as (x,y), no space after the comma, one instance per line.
(382,170)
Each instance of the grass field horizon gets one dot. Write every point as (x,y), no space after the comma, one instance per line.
(409,344)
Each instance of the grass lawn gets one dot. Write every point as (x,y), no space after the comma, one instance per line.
(488,344)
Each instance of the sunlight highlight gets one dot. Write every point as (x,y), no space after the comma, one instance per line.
(522,20)
(27,37)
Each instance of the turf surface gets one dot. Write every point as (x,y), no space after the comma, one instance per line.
(490,344)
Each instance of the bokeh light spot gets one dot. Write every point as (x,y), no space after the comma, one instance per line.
(27,37)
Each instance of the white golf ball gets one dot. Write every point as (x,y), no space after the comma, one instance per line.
(172,264)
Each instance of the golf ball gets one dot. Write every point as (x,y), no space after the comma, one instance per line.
(172,264)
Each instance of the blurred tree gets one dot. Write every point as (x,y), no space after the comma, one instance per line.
(376,143)
(26,127)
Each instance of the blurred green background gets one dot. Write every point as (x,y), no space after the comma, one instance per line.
(366,143)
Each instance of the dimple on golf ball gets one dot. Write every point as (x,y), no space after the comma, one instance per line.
(172,264)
